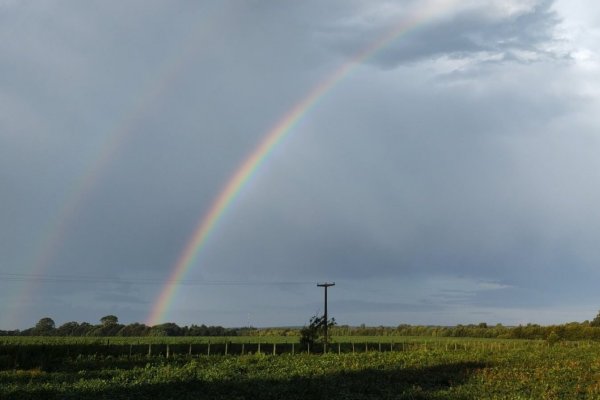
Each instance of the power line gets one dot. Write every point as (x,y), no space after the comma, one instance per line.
(43,278)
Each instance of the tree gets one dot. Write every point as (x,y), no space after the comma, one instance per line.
(83,329)
(67,329)
(44,327)
(134,329)
(596,321)
(553,338)
(313,333)
(166,329)
(109,320)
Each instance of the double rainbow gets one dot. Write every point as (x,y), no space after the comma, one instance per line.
(272,138)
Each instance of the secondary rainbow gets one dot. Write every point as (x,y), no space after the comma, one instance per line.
(53,232)
(271,139)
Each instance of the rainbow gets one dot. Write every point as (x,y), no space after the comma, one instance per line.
(53,232)
(272,138)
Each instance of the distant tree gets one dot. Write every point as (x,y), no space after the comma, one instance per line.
(596,321)
(109,320)
(135,329)
(166,329)
(83,329)
(67,329)
(44,327)
(107,329)
(553,338)
(195,330)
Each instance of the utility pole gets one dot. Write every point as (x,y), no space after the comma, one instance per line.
(325,286)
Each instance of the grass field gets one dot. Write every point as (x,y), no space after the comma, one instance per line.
(426,368)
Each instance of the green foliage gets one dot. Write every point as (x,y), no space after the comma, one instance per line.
(67,329)
(314,332)
(553,338)
(596,321)
(135,329)
(569,331)
(109,320)
(44,327)
(477,369)
(109,326)
(166,329)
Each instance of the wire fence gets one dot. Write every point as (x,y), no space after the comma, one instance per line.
(31,355)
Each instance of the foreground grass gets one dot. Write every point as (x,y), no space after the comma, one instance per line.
(471,372)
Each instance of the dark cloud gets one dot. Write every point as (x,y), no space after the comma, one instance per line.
(414,184)
(350,306)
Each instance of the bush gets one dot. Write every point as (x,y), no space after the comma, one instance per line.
(553,338)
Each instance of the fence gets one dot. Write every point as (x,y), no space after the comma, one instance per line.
(30,354)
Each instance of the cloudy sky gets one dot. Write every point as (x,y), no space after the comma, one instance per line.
(450,177)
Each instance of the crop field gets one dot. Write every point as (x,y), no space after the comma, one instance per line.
(26,350)
(62,340)
(38,368)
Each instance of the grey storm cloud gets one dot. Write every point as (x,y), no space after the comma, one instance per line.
(448,172)
(350,306)
(473,29)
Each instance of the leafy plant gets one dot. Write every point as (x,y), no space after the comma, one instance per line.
(314,332)
(553,338)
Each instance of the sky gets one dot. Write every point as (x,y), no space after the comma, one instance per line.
(450,177)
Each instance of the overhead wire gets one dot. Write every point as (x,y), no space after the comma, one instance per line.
(45,278)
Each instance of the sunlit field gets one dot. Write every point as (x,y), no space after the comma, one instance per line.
(403,368)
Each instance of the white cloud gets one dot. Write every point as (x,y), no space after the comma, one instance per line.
(500,9)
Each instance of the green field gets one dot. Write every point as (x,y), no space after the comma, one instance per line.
(238,339)
(417,368)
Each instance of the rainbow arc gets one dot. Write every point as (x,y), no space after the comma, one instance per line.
(278,133)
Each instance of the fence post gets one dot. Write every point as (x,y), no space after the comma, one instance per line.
(226,349)
(366,347)
(352,347)
(242,348)
(208,349)
(149,349)
(258,348)
(274,348)
(190,350)
(339,349)
(308,347)
(168,350)
(293,350)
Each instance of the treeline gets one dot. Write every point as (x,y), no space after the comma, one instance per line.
(110,326)
(570,331)
(587,330)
